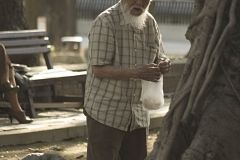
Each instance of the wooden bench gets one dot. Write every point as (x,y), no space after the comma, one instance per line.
(36,42)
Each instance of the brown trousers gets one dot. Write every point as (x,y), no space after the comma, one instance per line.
(107,143)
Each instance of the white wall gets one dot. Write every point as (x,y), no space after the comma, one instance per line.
(174,39)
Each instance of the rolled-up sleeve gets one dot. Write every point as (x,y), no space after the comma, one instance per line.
(101,43)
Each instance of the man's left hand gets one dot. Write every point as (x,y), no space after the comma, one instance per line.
(164,65)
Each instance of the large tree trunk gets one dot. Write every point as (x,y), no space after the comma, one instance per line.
(12,15)
(203,119)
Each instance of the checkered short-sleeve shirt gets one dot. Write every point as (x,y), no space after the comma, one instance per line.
(116,103)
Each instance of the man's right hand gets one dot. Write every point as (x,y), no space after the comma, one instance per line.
(149,72)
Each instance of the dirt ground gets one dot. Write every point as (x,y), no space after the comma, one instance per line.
(72,149)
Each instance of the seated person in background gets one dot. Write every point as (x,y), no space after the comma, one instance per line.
(9,88)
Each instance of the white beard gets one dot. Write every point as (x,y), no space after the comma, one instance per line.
(138,22)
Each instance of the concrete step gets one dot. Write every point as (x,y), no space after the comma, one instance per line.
(49,126)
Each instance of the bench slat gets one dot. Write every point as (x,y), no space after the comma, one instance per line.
(59,105)
(22,33)
(27,50)
(24,42)
(41,79)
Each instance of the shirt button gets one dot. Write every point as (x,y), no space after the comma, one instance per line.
(135,50)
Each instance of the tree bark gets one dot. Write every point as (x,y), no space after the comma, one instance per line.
(12,15)
(207,97)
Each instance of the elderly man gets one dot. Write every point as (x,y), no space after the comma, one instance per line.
(124,48)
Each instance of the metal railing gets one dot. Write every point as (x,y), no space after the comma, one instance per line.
(177,12)
(89,9)
(164,11)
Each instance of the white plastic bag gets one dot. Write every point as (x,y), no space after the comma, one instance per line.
(152,96)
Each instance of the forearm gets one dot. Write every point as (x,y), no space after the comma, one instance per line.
(149,72)
(113,72)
